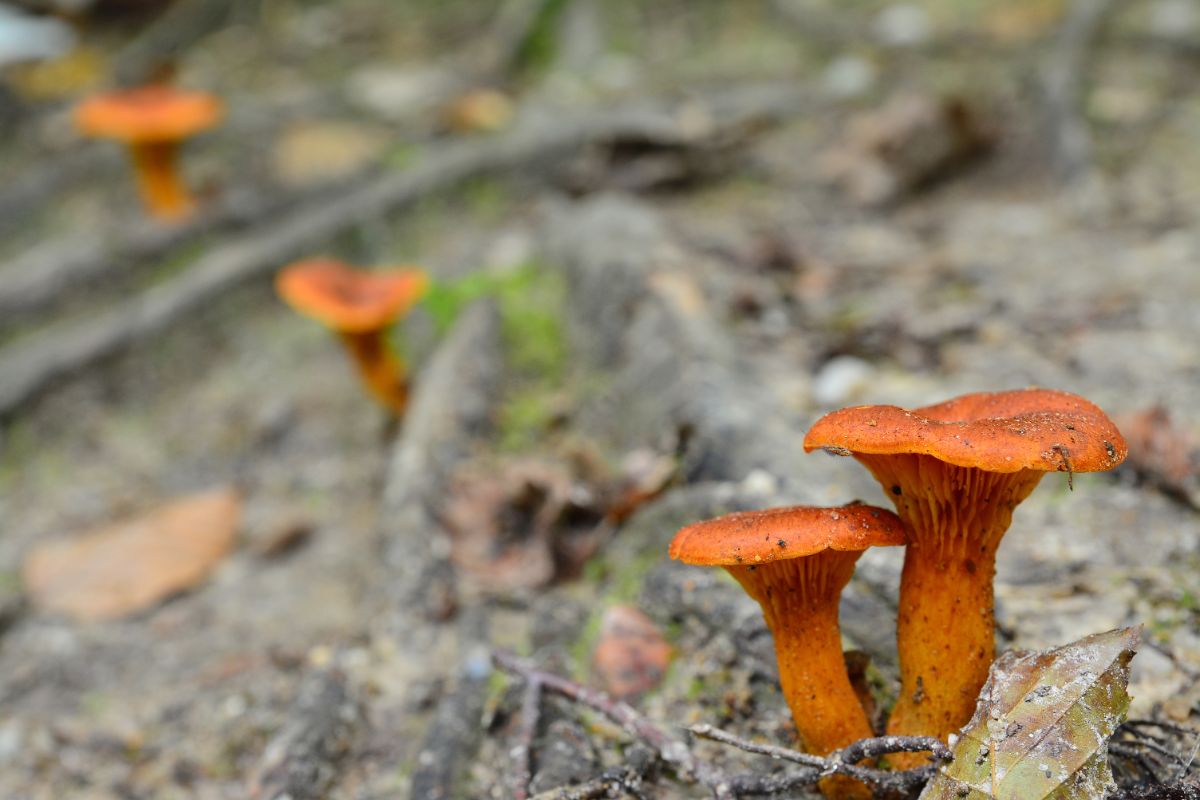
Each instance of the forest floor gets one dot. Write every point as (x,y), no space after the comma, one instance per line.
(694,303)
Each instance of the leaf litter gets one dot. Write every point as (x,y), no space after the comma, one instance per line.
(1043,723)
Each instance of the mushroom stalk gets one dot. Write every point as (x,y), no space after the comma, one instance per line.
(799,599)
(383,372)
(945,631)
(158,178)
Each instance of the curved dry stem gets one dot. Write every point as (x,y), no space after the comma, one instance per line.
(382,371)
(156,167)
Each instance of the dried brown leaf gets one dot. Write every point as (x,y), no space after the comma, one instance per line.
(631,655)
(1043,723)
(128,566)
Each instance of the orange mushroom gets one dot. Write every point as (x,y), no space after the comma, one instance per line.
(955,472)
(794,562)
(152,121)
(359,306)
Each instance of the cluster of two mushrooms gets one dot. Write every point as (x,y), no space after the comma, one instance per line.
(955,471)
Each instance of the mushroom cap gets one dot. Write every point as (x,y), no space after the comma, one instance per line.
(1038,429)
(350,300)
(755,537)
(155,113)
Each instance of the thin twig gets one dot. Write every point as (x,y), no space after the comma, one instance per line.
(671,750)
(689,767)
(522,754)
(626,778)
(844,762)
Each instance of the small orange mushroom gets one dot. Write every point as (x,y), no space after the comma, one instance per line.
(152,121)
(955,472)
(795,562)
(359,306)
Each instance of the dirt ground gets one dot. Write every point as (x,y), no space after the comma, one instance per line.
(790,298)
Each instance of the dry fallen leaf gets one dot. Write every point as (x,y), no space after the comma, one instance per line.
(520,523)
(1162,453)
(1043,723)
(631,655)
(311,152)
(479,111)
(910,142)
(119,569)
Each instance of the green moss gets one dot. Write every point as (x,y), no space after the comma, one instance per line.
(540,46)
(530,299)
(1188,601)
(486,199)
(585,643)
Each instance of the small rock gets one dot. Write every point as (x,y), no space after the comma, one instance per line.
(1174,19)
(848,76)
(24,37)
(11,742)
(398,93)
(840,380)
(760,483)
(903,25)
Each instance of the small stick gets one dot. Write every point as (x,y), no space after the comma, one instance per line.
(884,745)
(522,754)
(671,750)
(687,765)
(844,762)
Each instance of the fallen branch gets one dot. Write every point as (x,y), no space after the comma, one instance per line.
(1189,791)
(45,274)
(27,369)
(845,761)
(1063,81)
(626,779)
(303,761)
(522,753)
(453,736)
(689,767)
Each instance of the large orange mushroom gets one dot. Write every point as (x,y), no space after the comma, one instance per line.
(795,562)
(152,121)
(360,306)
(955,472)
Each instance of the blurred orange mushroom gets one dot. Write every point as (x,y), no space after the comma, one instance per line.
(956,471)
(795,562)
(360,306)
(152,121)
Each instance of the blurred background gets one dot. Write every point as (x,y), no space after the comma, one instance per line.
(661,237)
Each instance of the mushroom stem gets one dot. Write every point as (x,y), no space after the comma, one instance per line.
(799,599)
(945,631)
(156,165)
(383,372)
